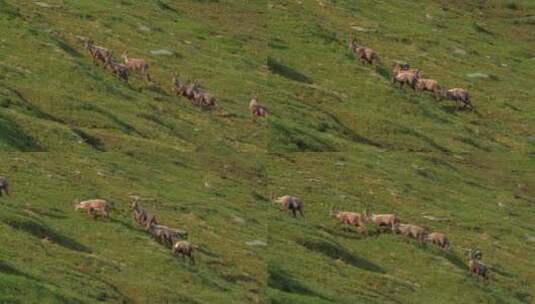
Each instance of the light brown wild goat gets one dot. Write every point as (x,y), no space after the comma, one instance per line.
(118,69)
(461,97)
(384,221)
(94,207)
(349,219)
(429,85)
(291,203)
(256,109)
(439,239)
(413,231)
(185,249)
(365,54)
(405,76)
(97,53)
(4,185)
(137,64)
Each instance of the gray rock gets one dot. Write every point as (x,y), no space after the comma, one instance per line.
(477,75)
(459,51)
(161,52)
(238,220)
(42,4)
(256,243)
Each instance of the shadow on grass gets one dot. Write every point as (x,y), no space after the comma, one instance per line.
(92,141)
(286,71)
(336,251)
(283,281)
(7,269)
(40,231)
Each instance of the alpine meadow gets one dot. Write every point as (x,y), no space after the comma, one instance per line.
(285,152)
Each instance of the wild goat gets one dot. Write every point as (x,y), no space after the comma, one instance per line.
(350,219)
(461,97)
(136,64)
(475,266)
(430,85)
(98,53)
(118,69)
(94,207)
(142,217)
(413,231)
(439,239)
(384,221)
(193,92)
(4,185)
(256,109)
(365,54)
(184,248)
(405,76)
(165,235)
(291,203)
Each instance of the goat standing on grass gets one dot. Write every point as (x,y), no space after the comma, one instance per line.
(142,217)
(475,266)
(185,249)
(98,53)
(461,97)
(118,69)
(4,186)
(429,85)
(349,219)
(137,64)
(291,203)
(256,109)
(94,207)
(413,231)
(365,54)
(167,236)
(404,76)
(384,221)
(439,239)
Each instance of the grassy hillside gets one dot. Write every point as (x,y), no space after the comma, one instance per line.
(339,134)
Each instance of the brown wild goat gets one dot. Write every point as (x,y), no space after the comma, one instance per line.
(461,97)
(97,53)
(256,109)
(291,203)
(439,239)
(349,219)
(185,249)
(384,221)
(4,185)
(429,85)
(405,76)
(475,266)
(136,64)
(142,217)
(94,207)
(167,236)
(118,69)
(365,54)
(413,231)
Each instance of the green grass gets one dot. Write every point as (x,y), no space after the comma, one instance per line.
(338,134)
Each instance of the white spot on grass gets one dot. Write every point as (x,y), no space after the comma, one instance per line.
(238,220)
(256,243)
(459,51)
(144,28)
(477,75)
(362,29)
(161,52)
(42,4)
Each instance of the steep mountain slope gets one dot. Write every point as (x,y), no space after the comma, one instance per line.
(338,134)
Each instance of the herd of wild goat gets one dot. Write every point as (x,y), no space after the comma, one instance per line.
(403,75)
(176,238)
